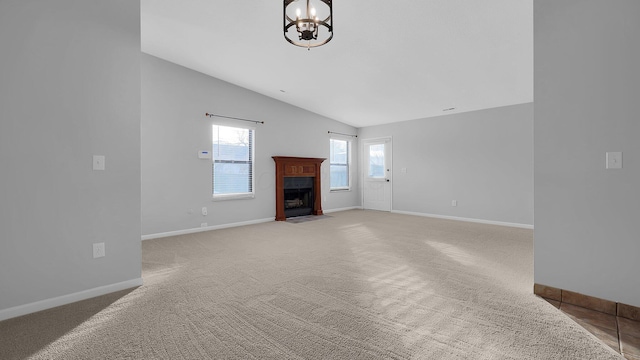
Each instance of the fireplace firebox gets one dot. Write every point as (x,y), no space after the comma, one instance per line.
(298,196)
(298,190)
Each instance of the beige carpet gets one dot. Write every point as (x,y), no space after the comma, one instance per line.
(353,285)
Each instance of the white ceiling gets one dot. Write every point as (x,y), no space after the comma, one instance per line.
(388,60)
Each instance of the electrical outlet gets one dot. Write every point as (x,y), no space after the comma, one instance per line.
(203,225)
(98,250)
(454,202)
(204,211)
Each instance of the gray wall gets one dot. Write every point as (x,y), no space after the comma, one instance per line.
(69,89)
(174,128)
(483,159)
(587,102)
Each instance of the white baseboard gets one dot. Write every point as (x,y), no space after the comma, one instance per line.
(341,209)
(490,222)
(206,228)
(67,299)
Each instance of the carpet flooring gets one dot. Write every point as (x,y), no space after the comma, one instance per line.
(355,285)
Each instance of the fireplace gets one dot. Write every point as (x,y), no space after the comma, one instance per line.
(298,196)
(298,188)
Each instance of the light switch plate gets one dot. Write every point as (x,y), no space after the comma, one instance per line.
(98,250)
(98,162)
(614,160)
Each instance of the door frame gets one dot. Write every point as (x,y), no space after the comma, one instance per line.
(363,168)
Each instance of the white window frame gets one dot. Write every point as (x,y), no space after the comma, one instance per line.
(349,162)
(236,196)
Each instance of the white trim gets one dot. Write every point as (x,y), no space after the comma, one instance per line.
(206,228)
(377,138)
(341,209)
(67,299)
(342,136)
(239,196)
(339,190)
(481,221)
(242,124)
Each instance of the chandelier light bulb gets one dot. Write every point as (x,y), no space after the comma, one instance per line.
(313,12)
(298,13)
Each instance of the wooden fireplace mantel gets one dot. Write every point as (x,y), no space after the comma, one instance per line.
(288,166)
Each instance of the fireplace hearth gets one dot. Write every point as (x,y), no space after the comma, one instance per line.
(298,188)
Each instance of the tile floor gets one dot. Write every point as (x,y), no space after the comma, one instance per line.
(301,219)
(621,334)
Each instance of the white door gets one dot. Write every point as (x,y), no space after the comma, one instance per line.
(376,192)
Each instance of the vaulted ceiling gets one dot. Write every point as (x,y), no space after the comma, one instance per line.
(388,61)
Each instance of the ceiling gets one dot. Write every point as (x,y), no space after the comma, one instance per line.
(388,61)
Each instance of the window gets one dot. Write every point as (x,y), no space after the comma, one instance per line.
(376,161)
(339,164)
(233,152)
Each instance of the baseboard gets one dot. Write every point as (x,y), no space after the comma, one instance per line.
(67,299)
(206,228)
(342,209)
(481,221)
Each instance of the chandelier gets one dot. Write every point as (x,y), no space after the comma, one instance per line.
(306,24)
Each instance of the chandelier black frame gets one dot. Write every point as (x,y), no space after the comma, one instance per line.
(307,25)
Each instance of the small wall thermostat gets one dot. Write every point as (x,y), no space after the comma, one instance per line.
(204,154)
